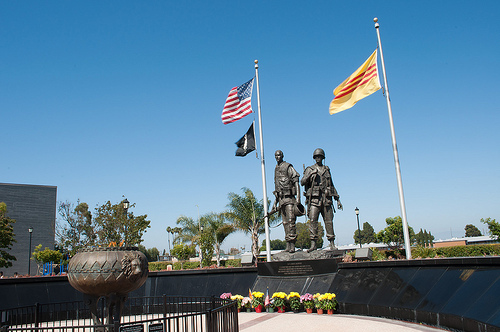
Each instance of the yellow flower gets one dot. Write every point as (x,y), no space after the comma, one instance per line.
(236,297)
(281,295)
(317,295)
(257,294)
(293,294)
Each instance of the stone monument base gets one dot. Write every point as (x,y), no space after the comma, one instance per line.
(304,255)
(300,272)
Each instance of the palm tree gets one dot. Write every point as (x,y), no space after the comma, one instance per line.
(189,230)
(178,231)
(217,225)
(247,214)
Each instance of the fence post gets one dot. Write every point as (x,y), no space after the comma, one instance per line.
(37,315)
(164,306)
(209,321)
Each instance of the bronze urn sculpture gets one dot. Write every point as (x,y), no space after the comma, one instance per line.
(109,272)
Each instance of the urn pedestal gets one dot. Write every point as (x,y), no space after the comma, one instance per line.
(109,272)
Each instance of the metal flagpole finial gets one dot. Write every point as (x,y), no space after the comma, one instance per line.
(256,63)
(376,22)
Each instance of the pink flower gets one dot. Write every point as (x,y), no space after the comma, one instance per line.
(226,295)
(306,297)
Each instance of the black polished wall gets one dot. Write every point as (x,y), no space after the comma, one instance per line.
(461,293)
(20,292)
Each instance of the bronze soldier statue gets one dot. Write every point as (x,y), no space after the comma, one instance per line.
(286,183)
(319,190)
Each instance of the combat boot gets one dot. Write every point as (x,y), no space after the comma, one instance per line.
(313,246)
(287,249)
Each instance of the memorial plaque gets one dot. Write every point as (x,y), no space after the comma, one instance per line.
(297,267)
(132,328)
(156,327)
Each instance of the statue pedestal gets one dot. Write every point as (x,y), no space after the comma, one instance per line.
(300,271)
(304,255)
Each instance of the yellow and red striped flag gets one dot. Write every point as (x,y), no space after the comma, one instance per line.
(363,82)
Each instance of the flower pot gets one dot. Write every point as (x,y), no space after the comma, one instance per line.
(309,310)
(330,311)
(296,311)
(270,309)
(320,311)
(249,310)
(239,309)
(258,308)
(281,309)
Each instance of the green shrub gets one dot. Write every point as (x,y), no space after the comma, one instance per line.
(423,252)
(467,251)
(158,266)
(186,265)
(378,255)
(232,263)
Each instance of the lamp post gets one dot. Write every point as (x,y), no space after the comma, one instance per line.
(30,230)
(169,229)
(126,205)
(200,229)
(359,231)
(201,251)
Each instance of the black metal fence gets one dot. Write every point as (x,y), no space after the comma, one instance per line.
(165,313)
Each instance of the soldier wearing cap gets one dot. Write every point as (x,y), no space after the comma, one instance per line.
(286,183)
(320,193)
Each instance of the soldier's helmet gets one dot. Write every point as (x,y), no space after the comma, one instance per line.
(319,152)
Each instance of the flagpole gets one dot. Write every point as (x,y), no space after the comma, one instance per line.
(263,165)
(395,150)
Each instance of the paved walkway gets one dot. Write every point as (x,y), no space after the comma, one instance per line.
(302,322)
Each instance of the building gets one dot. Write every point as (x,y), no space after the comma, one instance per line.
(32,206)
(465,241)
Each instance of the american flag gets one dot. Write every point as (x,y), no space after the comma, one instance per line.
(266,301)
(238,103)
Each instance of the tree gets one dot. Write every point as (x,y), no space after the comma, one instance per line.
(206,243)
(151,254)
(424,238)
(114,226)
(303,238)
(393,234)
(183,252)
(45,256)
(471,230)
(247,215)
(189,232)
(218,226)
(367,234)
(493,227)
(276,244)
(77,229)
(7,237)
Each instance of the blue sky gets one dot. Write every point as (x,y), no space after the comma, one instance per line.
(111,98)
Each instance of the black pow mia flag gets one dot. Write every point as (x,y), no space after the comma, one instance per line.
(246,144)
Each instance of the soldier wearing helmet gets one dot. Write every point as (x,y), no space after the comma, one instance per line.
(286,182)
(320,193)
